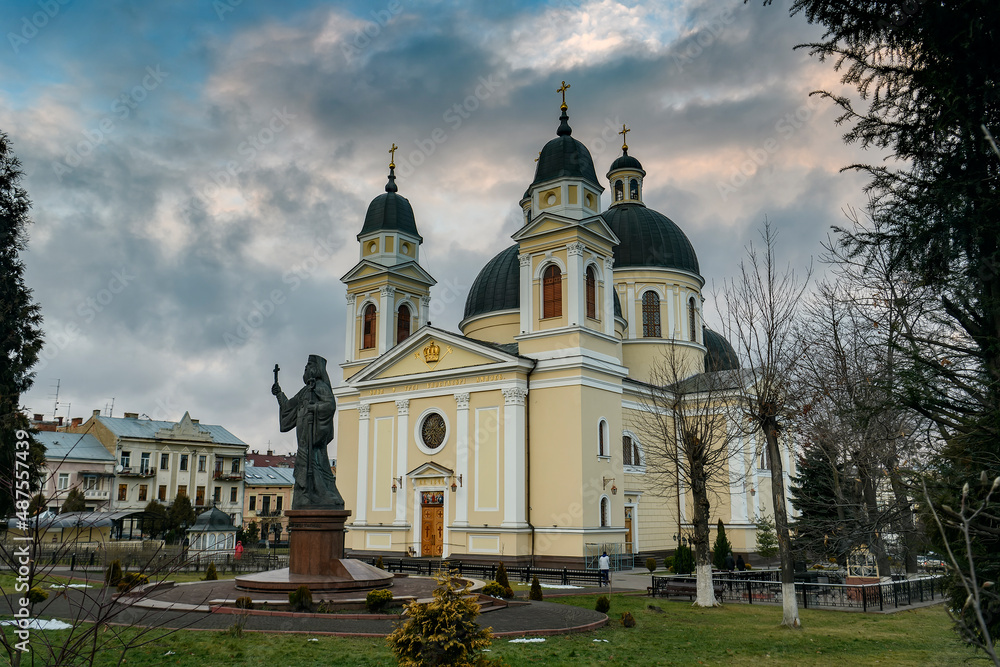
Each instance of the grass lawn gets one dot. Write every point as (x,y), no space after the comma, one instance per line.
(679,635)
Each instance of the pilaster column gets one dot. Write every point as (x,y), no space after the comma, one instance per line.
(425,310)
(737,478)
(387,298)
(575,292)
(462,458)
(361,511)
(402,447)
(352,324)
(634,326)
(514,457)
(609,296)
(527,294)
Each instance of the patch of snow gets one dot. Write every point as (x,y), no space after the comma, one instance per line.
(70,586)
(559,586)
(39,624)
(526,640)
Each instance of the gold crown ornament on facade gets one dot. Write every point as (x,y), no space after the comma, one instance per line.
(432,352)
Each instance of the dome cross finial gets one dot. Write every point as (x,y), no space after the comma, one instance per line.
(562,89)
(392,155)
(624,132)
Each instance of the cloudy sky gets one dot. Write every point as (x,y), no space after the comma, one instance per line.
(199,170)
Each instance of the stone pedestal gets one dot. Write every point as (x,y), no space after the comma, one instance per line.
(316,558)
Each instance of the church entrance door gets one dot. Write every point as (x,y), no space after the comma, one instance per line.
(629,535)
(432,523)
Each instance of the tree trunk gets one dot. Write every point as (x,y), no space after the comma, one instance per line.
(790,605)
(904,512)
(876,545)
(703,561)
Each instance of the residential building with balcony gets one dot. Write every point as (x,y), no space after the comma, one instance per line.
(76,460)
(268,493)
(157,460)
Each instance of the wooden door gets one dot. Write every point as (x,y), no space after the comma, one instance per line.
(432,538)
(629,535)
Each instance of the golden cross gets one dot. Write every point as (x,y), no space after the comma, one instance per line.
(562,89)
(624,134)
(392,155)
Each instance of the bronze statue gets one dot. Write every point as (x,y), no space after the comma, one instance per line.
(310,412)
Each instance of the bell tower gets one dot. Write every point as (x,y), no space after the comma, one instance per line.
(388,292)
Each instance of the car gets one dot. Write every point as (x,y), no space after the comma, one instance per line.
(931,561)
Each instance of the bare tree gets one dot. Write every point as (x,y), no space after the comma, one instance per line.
(761,311)
(685,422)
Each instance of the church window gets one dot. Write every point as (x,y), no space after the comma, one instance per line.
(765,459)
(651,315)
(403,324)
(630,452)
(591,293)
(368,340)
(691,320)
(433,430)
(602,438)
(633,189)
(552,292)
(619,190)
(605,512)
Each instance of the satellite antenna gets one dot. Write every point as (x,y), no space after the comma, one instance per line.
(55,408)
(119,468)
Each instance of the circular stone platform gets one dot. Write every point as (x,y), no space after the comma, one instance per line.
(344,574)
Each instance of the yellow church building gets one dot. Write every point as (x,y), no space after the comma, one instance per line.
(512,438)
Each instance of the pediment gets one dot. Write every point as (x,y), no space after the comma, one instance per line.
(185,429)
(367,268)
(431,350)
(547,223)
(430,469)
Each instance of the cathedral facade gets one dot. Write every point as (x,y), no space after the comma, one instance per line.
(515,438)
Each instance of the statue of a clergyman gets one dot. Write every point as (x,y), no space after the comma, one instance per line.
(310,413)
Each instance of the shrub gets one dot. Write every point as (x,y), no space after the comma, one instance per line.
(113,573)
(748,566)
(668,562)
(683,560)
(245,602)
(378,599)
(536,590)
(301,599)
(36,595)
(494,589)
(721,548)
(131,580)
(603,604)
(210,573)
(628,620)
(502,575)
(651,564)
(441,632)
(379,564)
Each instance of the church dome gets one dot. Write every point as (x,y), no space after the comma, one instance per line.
(213,519)
(649,238)
(720,355)
(498,286)
(565,157)
(625,161)
(390,212)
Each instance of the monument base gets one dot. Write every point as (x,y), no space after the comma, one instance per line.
(316,558)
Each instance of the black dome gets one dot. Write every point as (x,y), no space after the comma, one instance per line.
(213,519)
(649,238)
(390,212)
(720,355)
(626,161)
(565,157)
(498,286)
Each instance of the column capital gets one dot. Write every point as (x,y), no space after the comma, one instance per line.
(462,400)
(425,301)
(403,406)
(351,299)
(363,410)
(387,291)
(514,395)
(575,249)
(524,260)
(609,263)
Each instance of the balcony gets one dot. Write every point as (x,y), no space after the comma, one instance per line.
(232,476)
(95,494)
(268,513)
(137,472)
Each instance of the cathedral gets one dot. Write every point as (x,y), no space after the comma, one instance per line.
(512,439)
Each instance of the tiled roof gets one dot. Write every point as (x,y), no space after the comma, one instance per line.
(269,476)
(82,446)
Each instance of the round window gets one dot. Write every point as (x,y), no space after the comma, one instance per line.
(433,430)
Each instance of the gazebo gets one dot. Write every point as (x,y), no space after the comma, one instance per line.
(212,531)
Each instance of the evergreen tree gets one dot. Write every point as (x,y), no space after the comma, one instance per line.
(821,527)
(721,548)
(75,501)
(181,513)
(252,533)
(767,540)
(20,333)
(155,521)
(683,560)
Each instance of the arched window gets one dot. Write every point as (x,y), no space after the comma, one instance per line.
(368,339)
(402,324)
(605,512)
(633,189)
(630,452)
(619,190)
(602,438)
(691,319)
(591,293)
(552,292)
(651,315)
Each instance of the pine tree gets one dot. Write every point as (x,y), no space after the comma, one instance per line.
(767,540)
(721,548)
(181,513)
(821,527)
(20,332)
(75,501)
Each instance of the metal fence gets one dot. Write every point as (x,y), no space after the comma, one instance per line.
(488,571)
(168,558)
(866,597)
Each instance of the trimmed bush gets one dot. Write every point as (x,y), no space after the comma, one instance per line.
(503,581)
(603,604)
(493,589)
(378,599)
(683,560)
(651,564)
(36,595)
(245,602)
(210,573)
(668,562)
(301,599)
(379,564)
(628,620)
(536,590)
(113,573)
(132,580)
